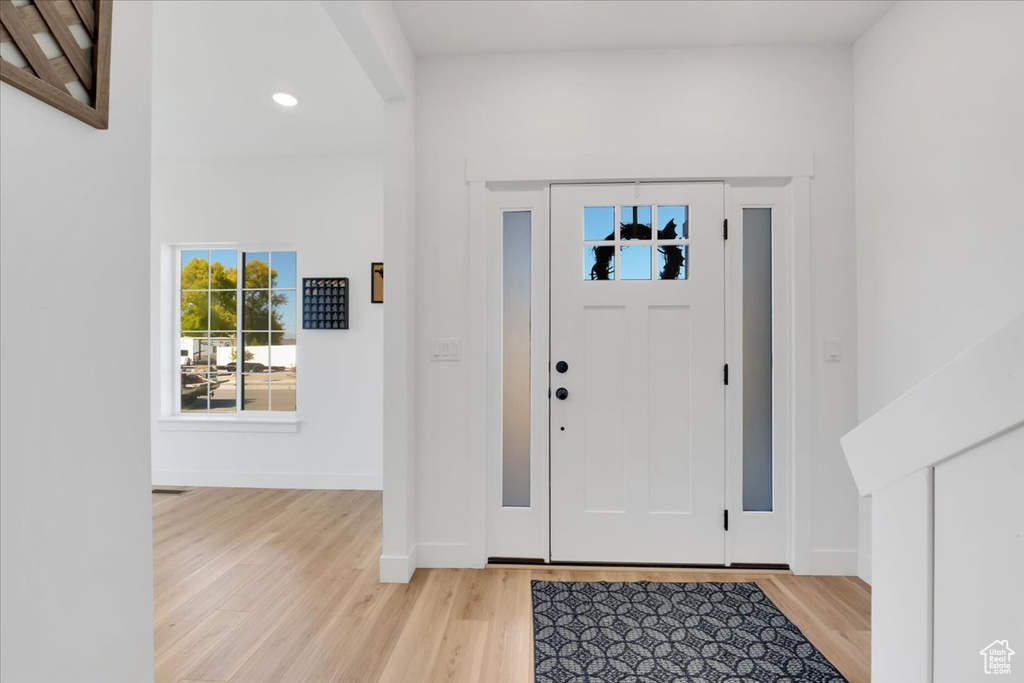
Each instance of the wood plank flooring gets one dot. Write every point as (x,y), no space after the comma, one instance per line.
(261,586)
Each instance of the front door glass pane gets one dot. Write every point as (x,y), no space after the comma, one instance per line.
(515,372)
(758,460)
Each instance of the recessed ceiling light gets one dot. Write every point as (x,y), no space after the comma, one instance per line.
(285,100)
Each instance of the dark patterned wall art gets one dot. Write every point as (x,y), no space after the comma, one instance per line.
(325,303)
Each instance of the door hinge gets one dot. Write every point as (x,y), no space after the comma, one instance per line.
(726,520)
(725,373)
(725,229)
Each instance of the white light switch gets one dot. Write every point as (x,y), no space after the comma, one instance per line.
(445,349)
(832,350)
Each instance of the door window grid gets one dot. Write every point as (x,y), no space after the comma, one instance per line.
(631,248)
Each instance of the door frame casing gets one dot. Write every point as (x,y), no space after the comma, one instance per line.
(788,171)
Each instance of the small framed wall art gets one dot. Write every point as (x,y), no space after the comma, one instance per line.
(377,282)
(325,303)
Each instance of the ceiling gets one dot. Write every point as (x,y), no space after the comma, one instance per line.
(440,27)
(216,64)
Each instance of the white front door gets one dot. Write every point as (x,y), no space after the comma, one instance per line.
(637,360)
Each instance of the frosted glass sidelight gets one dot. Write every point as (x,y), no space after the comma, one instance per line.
(515,368)
(758,459)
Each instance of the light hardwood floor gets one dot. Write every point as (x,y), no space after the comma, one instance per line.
(255,585)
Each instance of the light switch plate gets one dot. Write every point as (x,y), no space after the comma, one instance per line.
(833,350)
(445,349)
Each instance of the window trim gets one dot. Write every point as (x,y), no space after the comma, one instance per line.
(187,423)
(169,416)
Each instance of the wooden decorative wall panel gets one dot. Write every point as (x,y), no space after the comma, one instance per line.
(59,52)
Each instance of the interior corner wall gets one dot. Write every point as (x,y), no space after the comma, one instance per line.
(631,102)
(330,210)
(375,36)
(939,106)
(398,554)
(76,573)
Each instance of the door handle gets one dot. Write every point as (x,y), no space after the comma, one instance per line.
(561,393)
(562,366)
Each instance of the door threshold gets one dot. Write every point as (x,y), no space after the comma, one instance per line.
(536,564)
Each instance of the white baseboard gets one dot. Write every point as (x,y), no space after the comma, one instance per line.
(834,562)
(864,568)
(269,480)
(397,568)
(448,555)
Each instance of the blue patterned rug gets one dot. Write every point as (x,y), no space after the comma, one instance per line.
(641,631)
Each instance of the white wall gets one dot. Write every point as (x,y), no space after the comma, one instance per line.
(652,101)
(375,37)
(979,541)
(330,210)
(75,513)
(939,102)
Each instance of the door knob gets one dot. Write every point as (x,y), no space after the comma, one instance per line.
(562,366)
(561,393)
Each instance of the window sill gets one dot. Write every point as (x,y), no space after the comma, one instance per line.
(226,424)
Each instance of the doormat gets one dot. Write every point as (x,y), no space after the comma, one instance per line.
(643,631)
